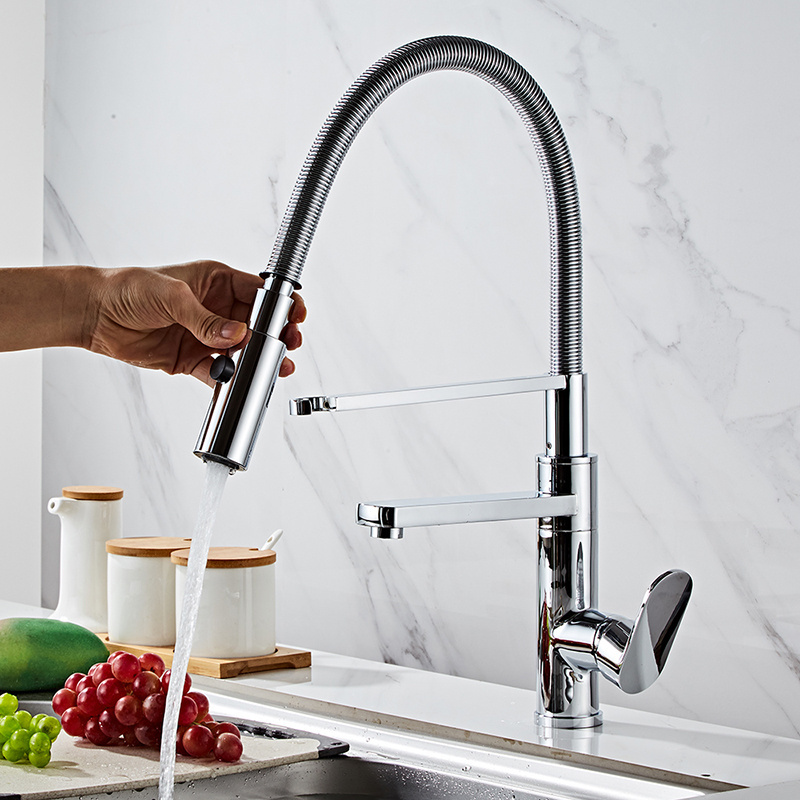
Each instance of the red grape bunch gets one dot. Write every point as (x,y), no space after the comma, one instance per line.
(122,701)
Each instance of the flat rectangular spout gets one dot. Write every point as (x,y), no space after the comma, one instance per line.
(303,406)
(386,519)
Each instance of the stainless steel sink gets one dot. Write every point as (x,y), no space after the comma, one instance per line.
(338,778)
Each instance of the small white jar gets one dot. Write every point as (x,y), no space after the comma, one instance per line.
(141,590)
(236,617)
(90,516)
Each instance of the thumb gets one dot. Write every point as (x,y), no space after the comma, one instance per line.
(212,330)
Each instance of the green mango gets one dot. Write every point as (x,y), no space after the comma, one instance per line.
(40,654)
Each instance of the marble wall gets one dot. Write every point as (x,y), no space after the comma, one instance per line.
(175,130)
(22,34)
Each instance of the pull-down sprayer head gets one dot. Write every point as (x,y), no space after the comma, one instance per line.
(245,382)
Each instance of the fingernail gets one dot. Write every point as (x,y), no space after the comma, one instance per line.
(232,331)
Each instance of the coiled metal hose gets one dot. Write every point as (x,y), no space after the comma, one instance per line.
(500,70)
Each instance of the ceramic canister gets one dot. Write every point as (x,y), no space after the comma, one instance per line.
(141,590)
(236,617)
(90,516)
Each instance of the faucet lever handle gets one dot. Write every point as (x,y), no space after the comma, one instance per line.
(632,654)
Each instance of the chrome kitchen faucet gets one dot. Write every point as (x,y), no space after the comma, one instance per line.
(576,642)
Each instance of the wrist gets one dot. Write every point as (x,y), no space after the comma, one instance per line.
(80,308)
(48,306)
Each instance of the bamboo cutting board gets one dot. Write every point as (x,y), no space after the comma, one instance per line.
(282,658)
(79,768)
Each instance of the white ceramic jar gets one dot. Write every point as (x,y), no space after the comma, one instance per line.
(236,617)
(141,590)
(90,516)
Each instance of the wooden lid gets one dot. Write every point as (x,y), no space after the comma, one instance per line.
(92,492)
(146,546)
(229,557)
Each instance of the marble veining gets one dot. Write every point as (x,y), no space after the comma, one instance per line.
(174,134)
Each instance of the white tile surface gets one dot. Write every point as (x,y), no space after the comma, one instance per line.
(176,132)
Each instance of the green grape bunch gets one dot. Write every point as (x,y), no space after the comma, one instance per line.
(25,738)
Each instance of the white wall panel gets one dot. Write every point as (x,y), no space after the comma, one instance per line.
(176,131)
(22,32)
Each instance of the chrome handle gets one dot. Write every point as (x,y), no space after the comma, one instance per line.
(631,654)
(303,406)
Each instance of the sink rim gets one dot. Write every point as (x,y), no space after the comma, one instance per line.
(446,751)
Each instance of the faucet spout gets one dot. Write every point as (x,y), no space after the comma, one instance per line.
(388,518)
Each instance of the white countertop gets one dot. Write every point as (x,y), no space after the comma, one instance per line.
(636,742)
(630,741)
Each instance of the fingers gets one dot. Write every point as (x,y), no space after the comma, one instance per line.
(202,371)
(299,311)
(291,336)
(245,285)
(212,330)
(219,333)
(222,288)
(286,368)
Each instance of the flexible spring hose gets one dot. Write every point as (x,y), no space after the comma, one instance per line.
(500,70)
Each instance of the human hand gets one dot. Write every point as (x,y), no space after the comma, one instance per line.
(175,318)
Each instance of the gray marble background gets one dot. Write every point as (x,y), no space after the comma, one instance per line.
(175,130)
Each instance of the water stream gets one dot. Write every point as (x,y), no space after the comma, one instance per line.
(216,475)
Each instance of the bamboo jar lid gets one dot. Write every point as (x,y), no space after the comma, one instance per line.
(146,546)
(229,557)
(92,492)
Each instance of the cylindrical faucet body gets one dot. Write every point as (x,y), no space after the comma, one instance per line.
(566,431)
(568,566)
(567,559)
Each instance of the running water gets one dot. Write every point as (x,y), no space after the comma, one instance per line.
(195,570)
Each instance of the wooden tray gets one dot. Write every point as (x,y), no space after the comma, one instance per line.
(282,658)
